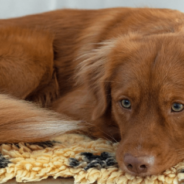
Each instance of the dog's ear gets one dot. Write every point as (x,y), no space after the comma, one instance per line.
(103,98)
(93,71)
(97,67)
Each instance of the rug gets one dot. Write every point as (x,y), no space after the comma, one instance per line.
(71,155)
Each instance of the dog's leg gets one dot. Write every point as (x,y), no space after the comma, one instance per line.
(26,61)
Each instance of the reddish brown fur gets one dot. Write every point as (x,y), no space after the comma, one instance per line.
(81,64)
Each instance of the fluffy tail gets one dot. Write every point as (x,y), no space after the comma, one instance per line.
(21,121)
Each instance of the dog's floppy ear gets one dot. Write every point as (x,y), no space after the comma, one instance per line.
(101,90)
(97,67)
(93,71)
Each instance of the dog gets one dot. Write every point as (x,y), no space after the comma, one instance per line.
(111,73)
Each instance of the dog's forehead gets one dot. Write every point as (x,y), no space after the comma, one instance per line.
(168,65)
(157,63)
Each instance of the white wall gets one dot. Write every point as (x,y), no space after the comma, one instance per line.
(13,8)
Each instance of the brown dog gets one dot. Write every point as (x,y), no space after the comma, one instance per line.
(118,70)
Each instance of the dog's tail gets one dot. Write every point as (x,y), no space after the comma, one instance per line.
(21,121)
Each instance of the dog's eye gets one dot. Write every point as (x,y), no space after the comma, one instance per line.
(177,107)
(126,104)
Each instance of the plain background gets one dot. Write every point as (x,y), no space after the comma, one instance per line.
(15,8)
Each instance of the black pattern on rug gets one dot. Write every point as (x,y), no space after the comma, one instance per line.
(4,161)
(89,160)
(44,144)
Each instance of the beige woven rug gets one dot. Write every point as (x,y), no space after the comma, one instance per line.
(71,155)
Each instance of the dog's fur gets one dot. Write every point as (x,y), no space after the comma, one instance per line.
(81,64)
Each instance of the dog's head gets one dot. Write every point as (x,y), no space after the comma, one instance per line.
(142,80)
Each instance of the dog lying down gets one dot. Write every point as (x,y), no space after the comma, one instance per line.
(113,73)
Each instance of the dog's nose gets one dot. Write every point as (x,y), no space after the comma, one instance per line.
(138,165)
